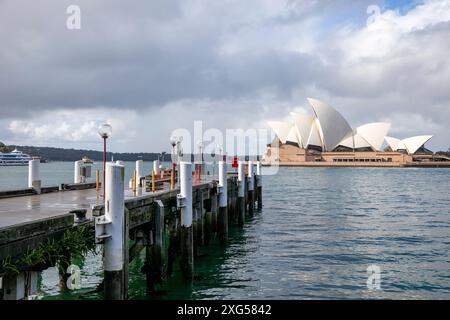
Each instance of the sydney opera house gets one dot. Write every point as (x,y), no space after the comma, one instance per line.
(327,139)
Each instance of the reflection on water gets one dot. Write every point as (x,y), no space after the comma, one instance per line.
(319,231)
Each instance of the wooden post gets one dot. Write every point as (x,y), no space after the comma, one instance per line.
(150,286)
(185,203)
(97,180)
(153,181)
(251,189)
(208,228)
(241,193)
(200,218)
(223,205)
(259,184)
(213,210)
(172,179)
(158,262)
(134,181)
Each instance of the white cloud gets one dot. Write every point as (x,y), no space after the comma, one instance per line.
(72,127)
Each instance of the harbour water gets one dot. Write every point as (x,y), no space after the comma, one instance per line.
(319,231)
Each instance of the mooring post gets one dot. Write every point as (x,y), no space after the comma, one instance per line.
(184,200)
(139,164)
(251,189)
(259,184)
(172,179)
(156,168)
(97,180)
(208,220)
(241,192)
(200,218)
(33,175)
(116,245)
(222,224)
(153,181)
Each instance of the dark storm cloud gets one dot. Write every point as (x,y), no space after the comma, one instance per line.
(140,54)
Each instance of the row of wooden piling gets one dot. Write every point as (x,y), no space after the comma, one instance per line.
(190,219)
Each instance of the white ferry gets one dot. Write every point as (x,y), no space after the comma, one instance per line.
(14,158)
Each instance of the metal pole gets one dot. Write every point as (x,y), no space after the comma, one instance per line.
(104,167)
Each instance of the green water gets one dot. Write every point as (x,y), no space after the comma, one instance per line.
(319,231)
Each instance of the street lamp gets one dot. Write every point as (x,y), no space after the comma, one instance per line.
(220,152)
(105,131)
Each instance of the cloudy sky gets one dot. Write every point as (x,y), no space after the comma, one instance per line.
(149,67)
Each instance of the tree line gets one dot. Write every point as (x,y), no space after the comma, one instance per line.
(60,154)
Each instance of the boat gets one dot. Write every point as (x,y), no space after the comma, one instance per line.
(14,158)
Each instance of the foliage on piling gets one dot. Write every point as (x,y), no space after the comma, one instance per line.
(74,244)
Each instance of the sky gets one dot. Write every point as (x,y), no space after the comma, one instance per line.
(151,67)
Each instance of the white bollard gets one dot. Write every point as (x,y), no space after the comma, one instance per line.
(241,179)
(186,232)
(156,168)
(120,162)
(33,175)
(241,192)
(223,194)
(77,171)
(161,171)
(258,174)
(116,246)
(222,220)
(139,165)
(186,193)
(251,189)
(251,181)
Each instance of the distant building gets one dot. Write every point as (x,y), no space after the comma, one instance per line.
(326,139)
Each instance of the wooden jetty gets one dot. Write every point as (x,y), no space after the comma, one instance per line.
(43,227)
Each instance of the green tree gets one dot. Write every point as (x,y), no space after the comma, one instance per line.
(4,148)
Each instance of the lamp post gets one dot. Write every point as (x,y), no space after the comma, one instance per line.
(200,162)
(173,142)
(219,153)
(105,132)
